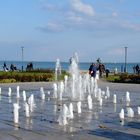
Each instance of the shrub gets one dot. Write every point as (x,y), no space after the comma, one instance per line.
(124,77)
(8,81)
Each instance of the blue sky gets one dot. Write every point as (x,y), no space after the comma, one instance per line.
(51,29)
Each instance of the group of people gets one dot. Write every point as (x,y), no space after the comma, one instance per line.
(94,68)
(12,67)
(29,66)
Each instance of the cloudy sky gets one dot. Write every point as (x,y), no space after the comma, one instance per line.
(51,29)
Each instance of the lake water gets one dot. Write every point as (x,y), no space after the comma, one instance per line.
(65,65)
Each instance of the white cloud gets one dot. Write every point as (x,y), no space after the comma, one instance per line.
(51,27)
(80,7)
(74,18)
(134,27)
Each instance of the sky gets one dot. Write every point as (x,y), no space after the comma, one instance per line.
(51,29)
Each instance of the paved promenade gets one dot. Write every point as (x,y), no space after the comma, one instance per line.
(101,123)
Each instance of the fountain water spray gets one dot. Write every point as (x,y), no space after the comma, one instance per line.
(89,102)
(127,96)
(130,112)
(60,89)
(18,95)
(42,93)
(9,92)
(121,114)
(65,83)
(138,110)
(114,99)
(107,92)
(57,69)
(24,95)
(27,110)
(55,90)
(101,101)
(16,112)
(31,102)
(62,120)
(79,107)
(71,115)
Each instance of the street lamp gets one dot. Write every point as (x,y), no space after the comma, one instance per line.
(22,49)
(125,68)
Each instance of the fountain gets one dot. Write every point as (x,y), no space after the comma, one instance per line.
(16,112)
(101,101)
(57,69)
(127,96)
(130,112)
(107,92)
(71,115)
(114,99)
(18,95)
(121,114)
(79,107)
(27,110)
(65,83)
(89,102)
(55,90)
(24,95)
(62,120)
(99,94)
(9,92)
(60,90)
(31,102)
(138,110)
(42,93)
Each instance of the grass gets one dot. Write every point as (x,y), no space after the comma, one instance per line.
(124,78)
(112,78)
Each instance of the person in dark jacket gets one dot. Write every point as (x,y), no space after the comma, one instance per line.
(92,70)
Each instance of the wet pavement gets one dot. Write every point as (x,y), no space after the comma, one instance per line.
(102,122)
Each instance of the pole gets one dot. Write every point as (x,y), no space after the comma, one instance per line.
(125,70)
(22,49)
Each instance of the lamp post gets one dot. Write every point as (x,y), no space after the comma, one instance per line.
(125,68)
(22,49)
